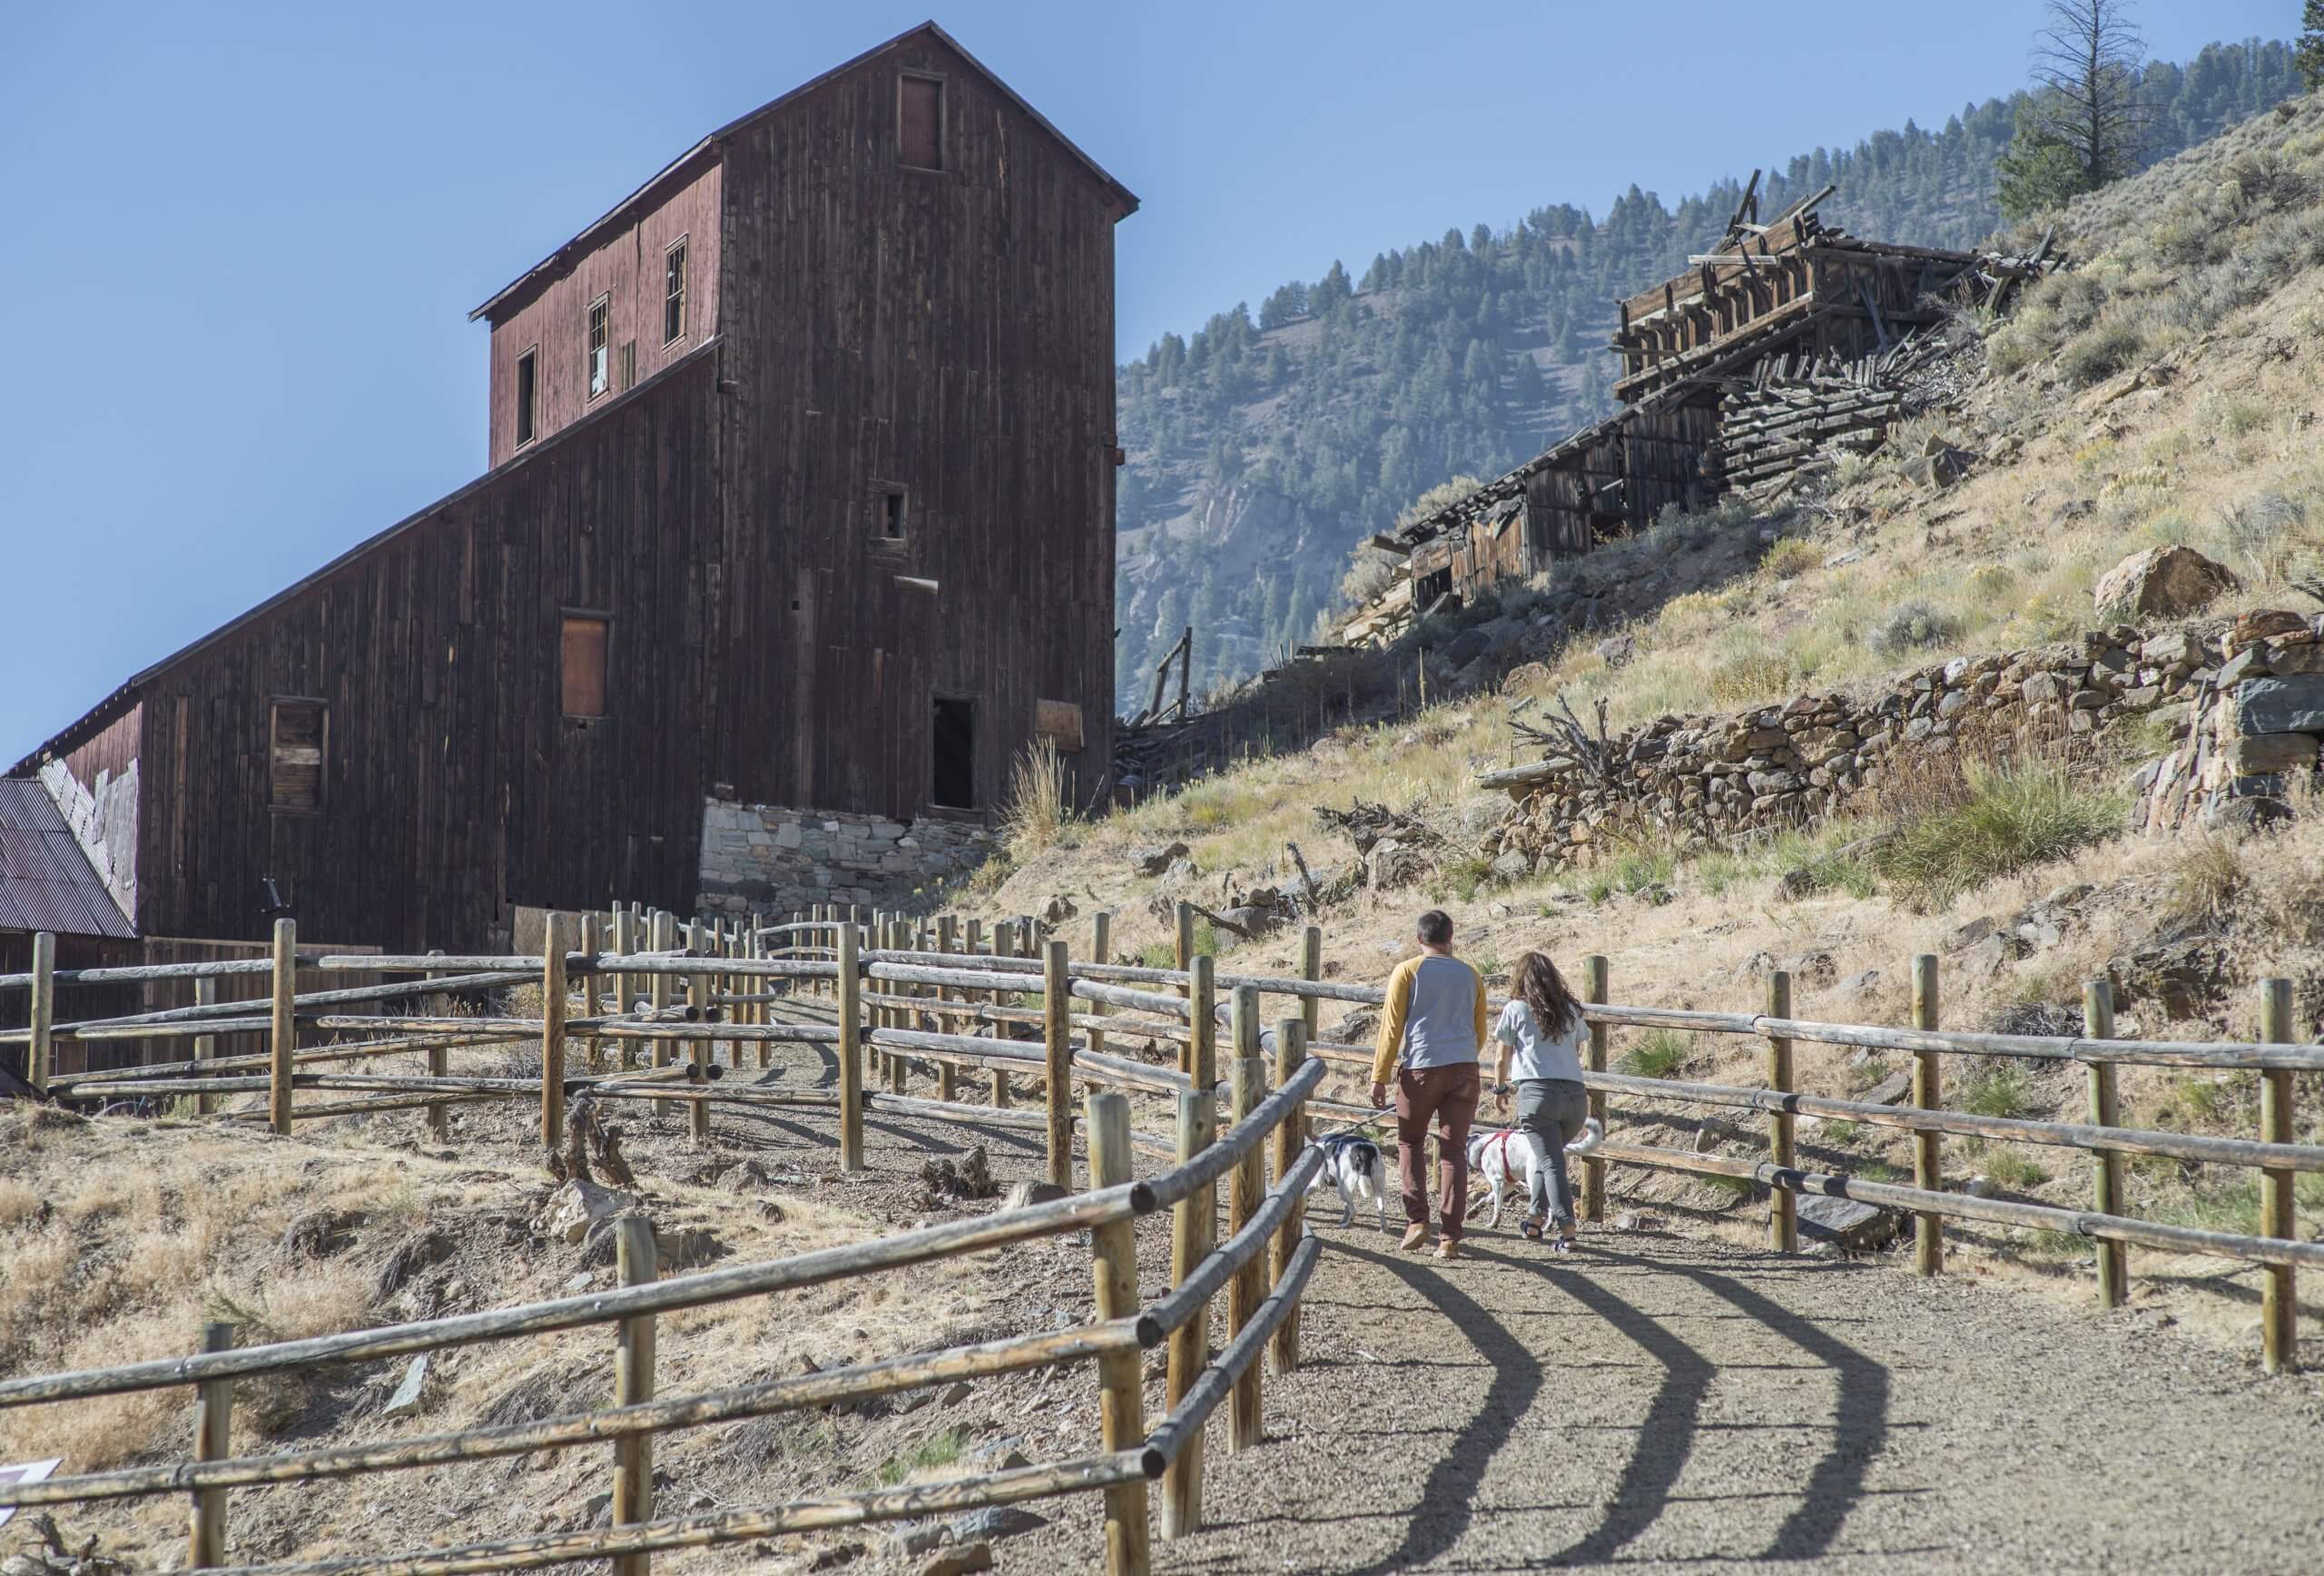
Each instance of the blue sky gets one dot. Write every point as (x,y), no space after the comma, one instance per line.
(246,236)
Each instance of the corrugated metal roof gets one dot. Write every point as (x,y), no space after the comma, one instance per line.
(46,882)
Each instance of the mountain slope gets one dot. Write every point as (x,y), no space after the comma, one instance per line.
(1262,450)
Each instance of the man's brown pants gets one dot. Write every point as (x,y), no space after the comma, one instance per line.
(1448,1096)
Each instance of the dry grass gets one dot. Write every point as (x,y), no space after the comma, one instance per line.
(1037,811)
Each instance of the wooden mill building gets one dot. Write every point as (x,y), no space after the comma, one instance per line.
(802,494)
(1793,307)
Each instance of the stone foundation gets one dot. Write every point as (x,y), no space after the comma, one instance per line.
(769,859)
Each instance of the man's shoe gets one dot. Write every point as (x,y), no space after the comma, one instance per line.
(1449,1248)
(1414,1236)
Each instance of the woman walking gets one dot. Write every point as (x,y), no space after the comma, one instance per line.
(1540,1033)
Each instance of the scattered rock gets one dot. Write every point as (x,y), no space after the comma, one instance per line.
(960,1391)
(1391,864)
(1861,984)
(2171,581)
(1021,1194)
(914,1537)
(995,1521)
(572,1209)
(1617,651)
(1157,858)
(1979,1186)
(960,1561)
(1845,1223)
(1796,884)
(422,1250)
(971,1177)
(406,1400)
(1892,1091)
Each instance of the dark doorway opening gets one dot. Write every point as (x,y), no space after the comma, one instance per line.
(955,783)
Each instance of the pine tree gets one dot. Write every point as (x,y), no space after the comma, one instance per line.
(2308,54)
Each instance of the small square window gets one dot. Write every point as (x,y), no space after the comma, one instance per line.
(584,664)
(298,733)
(894,503)
(601,318)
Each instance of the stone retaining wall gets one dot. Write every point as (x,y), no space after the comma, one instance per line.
(1783,765)
(770,860)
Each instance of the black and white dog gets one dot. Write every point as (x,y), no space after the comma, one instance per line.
(1352,1163)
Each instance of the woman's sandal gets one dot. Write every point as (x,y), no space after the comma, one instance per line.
(1530,1230)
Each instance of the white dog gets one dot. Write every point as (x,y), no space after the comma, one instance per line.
(1352,1163)
(1511,1157)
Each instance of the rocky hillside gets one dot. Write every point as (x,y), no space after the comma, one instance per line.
(1265,446)
(2049,713)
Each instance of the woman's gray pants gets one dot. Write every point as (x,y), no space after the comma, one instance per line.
(1553,1109)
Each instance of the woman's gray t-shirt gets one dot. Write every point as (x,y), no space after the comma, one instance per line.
(1539,1055)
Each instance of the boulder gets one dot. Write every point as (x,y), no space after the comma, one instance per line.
(1845,1223)
(1155,860)
(2185,979)
(573,1209)
(2170,581)
(2281,705)
(1021,1194)
(1393,864)
(2254,753)
(1466,647)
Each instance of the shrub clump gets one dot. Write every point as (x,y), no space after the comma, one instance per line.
(2100,352)
(1913,626)
(2003,818)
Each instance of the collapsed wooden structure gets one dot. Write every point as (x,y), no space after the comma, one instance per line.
(1783,337)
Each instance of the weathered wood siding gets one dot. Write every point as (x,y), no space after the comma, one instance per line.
(453,788)
(1668,459)
(624,263)
(950,331)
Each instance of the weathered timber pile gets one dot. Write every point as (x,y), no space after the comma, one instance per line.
(1793,411)
(2256,727)
(1712,777)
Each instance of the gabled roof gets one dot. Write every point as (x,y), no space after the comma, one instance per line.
(46,882)
(703,152)
(90,722)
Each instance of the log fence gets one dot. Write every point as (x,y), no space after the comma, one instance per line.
(909,1004)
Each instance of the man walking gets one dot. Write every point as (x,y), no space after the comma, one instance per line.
(1434,1023)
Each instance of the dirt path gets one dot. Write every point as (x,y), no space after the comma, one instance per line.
(1662,1402)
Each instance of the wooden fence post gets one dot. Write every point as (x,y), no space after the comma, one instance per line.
(657,996)
(625,984)
(1101,950)
(1311,968)
(702,945)
(633,1255)
(1928,1228)
(1121,1392)
(593,942)
(1182,946)
(1004,945)
(552,1033)
(1056,1044)
(1593,1172)
(1194,1226)
(1290,1139)
(2105,1165)
(439,1063)
(2279,1305)
(947,1074)
(850,1054)
(283,1038)
(1783,1205)
(40,1053)
(1246,1188)
(205,1046)
(1200,1053)
(759,985)
(213,1412)
(899,1067)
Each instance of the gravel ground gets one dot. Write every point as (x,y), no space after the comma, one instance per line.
(1663,1403)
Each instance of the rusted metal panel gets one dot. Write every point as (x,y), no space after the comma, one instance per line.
(46,882)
